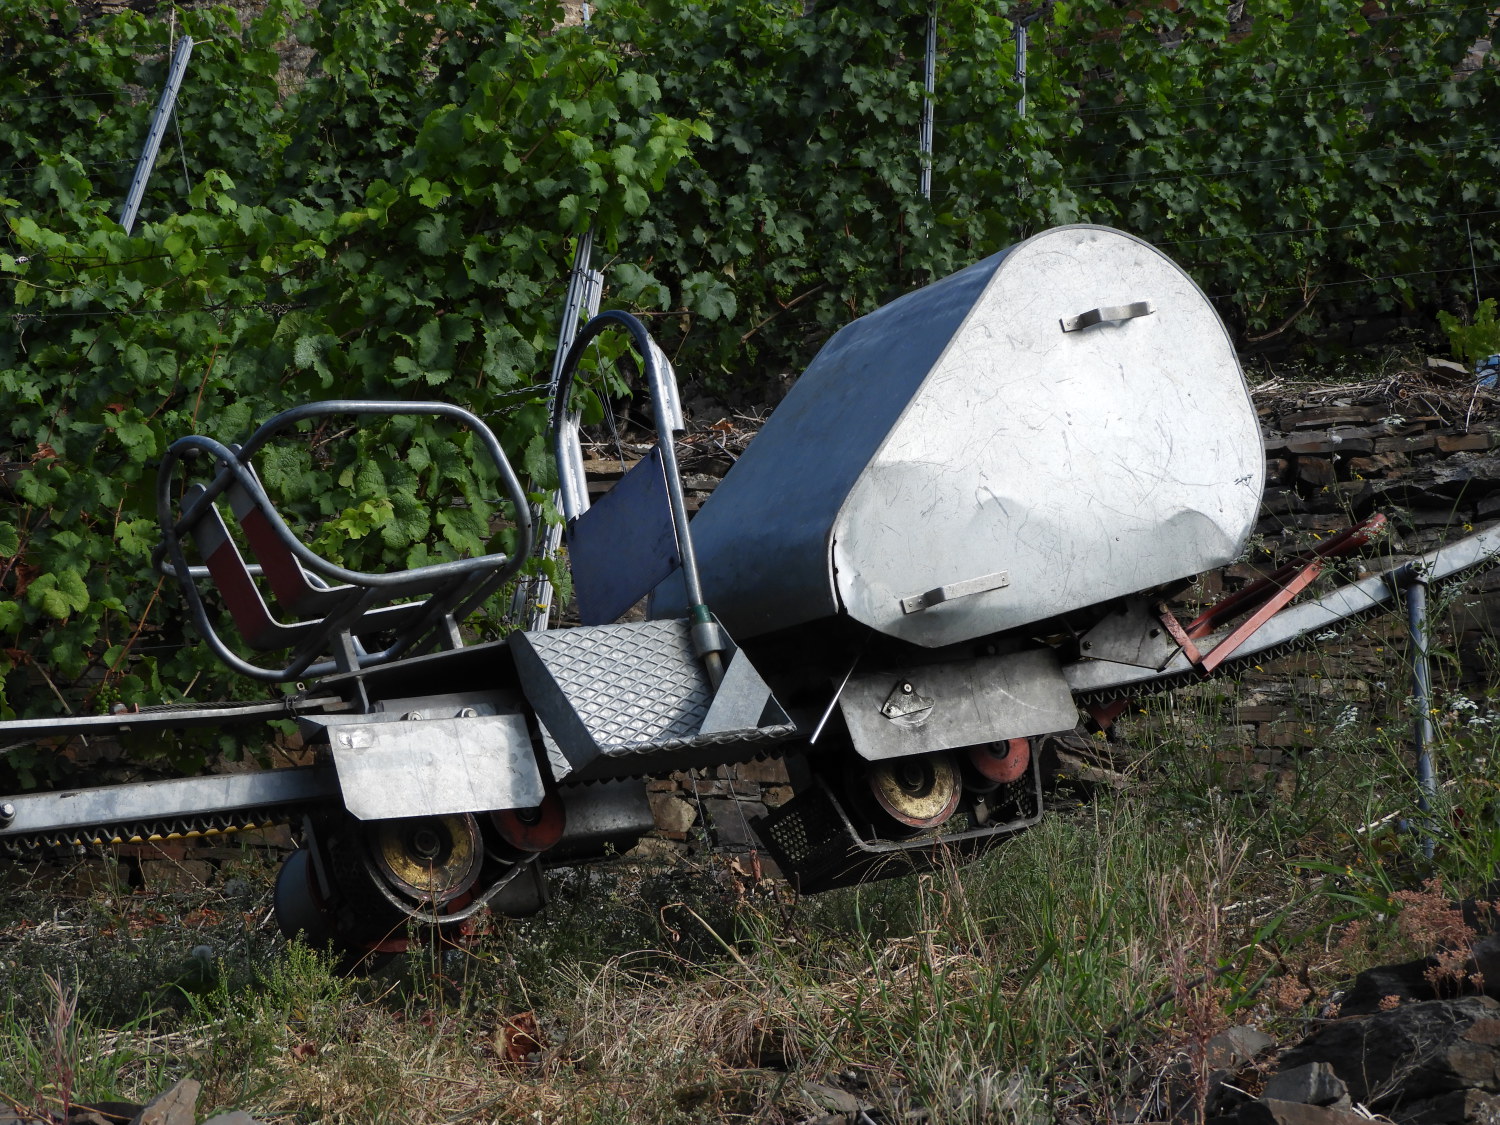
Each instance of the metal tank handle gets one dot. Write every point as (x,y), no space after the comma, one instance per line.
(1107,314)
(708,641)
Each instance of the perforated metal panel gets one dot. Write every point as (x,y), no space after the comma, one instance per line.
(815,843)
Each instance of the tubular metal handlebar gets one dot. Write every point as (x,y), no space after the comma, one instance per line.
(234,465)
(667,414)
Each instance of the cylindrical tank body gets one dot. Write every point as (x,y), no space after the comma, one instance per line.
(1058,425)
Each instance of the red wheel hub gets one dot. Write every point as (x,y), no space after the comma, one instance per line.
(532,830)
(1001,762)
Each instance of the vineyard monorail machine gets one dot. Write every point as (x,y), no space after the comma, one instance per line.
(960,526)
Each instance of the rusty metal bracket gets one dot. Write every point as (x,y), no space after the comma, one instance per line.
(1353,539)
(1270,604)
(1273,605)
(1270,595)
(1174,628)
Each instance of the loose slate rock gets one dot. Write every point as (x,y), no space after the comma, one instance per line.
(1313,1083)
(1269,1112)
(1236,1046)
(175,1107)
(1462,1107)
(832,1098)
(1407,982)
(1409,1054)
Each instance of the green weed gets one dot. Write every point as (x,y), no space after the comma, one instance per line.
(53,1057)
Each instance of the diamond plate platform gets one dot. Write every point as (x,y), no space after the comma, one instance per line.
(627,699)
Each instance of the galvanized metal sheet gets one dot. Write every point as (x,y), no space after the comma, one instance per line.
(1089,464)
(762,537)
(557,761)
(1330,613)
(432,767)
(172,718)
(892,712)
(742,701)
(448,705)
(960,433)
(626,698)
(165,800)
(613,687)
(1132,633)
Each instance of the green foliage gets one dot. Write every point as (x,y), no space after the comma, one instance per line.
(1065,971)
(397,224)
(1477,340)
(1305,166)
(72,1060)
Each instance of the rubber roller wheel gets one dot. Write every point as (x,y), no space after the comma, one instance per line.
(429,860)
(300,910)
(303,915)
(999,763)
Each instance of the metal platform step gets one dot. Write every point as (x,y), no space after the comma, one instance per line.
(614,695)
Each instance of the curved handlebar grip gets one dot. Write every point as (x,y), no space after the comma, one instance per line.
(667,413)
(1109,314)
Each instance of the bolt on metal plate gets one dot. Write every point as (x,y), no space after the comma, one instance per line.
(905,702)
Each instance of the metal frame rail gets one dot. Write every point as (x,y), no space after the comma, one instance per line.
(1102,680)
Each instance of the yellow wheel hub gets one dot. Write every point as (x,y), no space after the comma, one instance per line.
(432,859)
(920,792)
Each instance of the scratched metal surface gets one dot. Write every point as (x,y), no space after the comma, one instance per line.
(959,432)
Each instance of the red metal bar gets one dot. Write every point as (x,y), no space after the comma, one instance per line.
(230,574)
(1268,596)
(1105,714)
(1169,620)
(1269,586)
(1225,648)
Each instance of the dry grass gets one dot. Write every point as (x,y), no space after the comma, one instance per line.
(1075,974)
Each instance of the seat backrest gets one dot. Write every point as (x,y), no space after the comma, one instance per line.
(294,588)
(331,619)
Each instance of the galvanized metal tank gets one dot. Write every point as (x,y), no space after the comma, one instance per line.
(1058,425)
